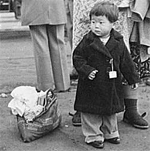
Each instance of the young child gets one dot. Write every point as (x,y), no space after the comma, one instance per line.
(101,58)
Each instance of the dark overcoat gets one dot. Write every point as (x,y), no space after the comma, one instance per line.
(102,95)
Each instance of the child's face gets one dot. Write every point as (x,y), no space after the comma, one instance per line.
(101,26)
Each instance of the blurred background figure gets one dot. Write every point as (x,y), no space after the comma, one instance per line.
(69,34)
(11,6)
(17,8)
(69,24)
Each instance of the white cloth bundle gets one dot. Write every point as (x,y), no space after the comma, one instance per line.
(25,102)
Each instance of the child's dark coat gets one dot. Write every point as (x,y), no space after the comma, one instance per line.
(102,95)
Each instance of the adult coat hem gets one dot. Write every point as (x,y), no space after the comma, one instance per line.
(40,12)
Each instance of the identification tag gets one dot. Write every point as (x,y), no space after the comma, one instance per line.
(112,74)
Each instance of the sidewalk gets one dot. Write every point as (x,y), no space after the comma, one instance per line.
(16,62)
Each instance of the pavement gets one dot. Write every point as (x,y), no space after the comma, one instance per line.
(16,53)
(14,68)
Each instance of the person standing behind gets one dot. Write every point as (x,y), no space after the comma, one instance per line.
(46,20)
(69,34)
(101,58)
(69,24)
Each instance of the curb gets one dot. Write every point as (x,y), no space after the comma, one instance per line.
(11,28)
(10,34)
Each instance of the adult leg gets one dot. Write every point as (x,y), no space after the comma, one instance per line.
(42,57)
(58,57)
(69,21)
(131,114)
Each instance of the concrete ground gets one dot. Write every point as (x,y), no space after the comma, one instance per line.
(17,69)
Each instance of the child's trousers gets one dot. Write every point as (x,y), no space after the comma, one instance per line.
(99,128)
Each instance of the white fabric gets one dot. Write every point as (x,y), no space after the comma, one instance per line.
(25,102)
(104,40)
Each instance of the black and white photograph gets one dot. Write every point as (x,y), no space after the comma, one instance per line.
(74,75)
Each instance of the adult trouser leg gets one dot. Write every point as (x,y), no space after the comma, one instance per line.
(58,57)
(131,114)
(42,57)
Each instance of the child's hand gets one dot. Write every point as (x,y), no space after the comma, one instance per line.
(92,74)
(134,86)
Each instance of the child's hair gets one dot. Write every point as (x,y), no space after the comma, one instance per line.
(105,9)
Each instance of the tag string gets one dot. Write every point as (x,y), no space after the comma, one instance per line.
(112,66)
